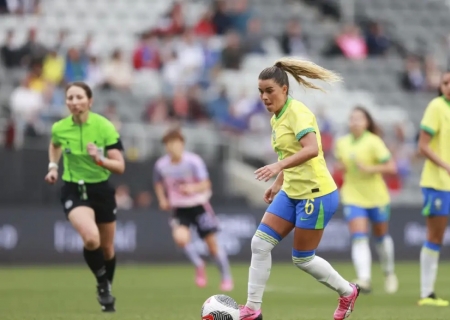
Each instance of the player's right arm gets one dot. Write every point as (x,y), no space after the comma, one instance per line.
(274,188)
(54,155)
(159,189)
(429,126)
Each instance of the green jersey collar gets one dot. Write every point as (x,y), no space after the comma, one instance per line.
(88,121)
(283,110)
(446,100)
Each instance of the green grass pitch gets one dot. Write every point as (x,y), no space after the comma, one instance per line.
(168,293)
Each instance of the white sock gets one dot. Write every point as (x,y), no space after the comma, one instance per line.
(193,255)
(385,250)
(429,260)
(324,273)
(362,258)
(259,271)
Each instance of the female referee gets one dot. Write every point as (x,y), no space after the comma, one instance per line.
(91,150)
(435,183)
(182,185)
(306,194)
(364,157)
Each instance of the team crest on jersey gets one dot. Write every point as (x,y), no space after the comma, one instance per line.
(438,203)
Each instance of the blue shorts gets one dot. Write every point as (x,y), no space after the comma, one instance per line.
(377,214)
(306,214)
(435,202)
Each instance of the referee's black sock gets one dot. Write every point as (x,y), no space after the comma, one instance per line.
(96,262)
(110,268)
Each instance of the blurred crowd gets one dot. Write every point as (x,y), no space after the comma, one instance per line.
(19,7)
(172,49)
(187,62)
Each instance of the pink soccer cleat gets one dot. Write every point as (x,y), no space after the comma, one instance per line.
(227,285)
(200,277)
(346,304)
(248,314)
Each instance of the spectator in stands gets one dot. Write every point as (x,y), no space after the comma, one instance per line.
(218,106)
(146,55)
(196,104)
(61,45)
(19,6)
(26,104)
(89,47)
(254,37)
(117,72)
(33,51)
(76,66)
(171,74)
(56,105)
(292,41)
(432,74)
(233,52)
(329,8)
(412,79)
(221,19)
(180,105)
(240,15)
(94,75)
(191,58)
(36,78)
(10,54)
(349,43)
(205,26)
(172,23)
(53,67)
(377,41)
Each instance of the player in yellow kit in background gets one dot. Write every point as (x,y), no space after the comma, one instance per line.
(434,144)
(364,157)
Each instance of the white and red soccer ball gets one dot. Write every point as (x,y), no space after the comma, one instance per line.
(220,307)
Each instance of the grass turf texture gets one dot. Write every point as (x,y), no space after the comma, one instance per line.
(169,293)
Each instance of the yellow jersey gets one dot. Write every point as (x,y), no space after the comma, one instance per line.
(366,190)
(312,178)
(436,121)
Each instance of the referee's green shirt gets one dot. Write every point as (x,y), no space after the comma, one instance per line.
(73,139)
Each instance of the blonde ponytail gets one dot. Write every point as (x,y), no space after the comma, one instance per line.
(301,69)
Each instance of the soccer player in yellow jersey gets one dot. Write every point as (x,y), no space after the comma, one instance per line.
(304,196)
(364,157)
(434,144)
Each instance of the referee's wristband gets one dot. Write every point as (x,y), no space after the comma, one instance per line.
(100,161)
(52,165)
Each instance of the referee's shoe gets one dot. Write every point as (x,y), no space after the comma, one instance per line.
(105,298)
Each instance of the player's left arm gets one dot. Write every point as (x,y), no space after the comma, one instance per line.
(305,133)
(203,183)
(114,160)
(383,157)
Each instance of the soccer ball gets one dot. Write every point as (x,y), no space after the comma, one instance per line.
(220,307)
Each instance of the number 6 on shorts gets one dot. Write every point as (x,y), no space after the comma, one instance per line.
(316,213)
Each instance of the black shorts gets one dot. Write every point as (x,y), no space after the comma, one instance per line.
(204,220)
(100,197)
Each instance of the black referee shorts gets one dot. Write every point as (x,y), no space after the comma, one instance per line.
(204,220)
(100,197)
